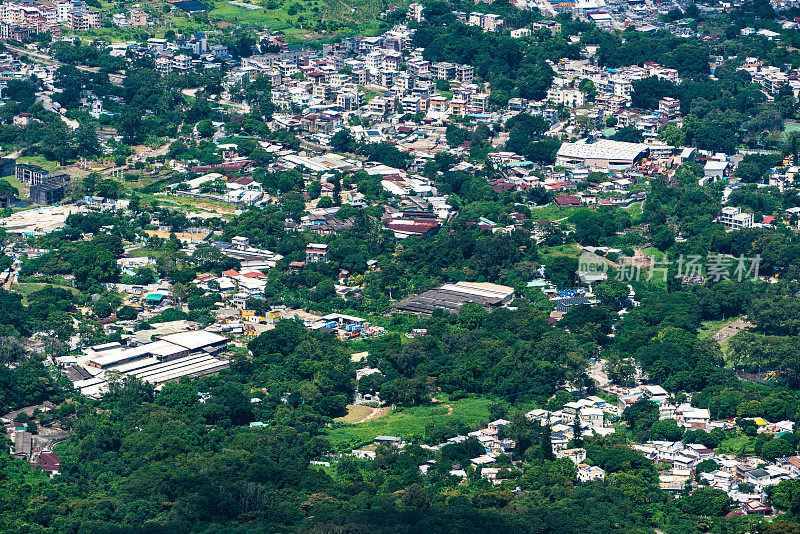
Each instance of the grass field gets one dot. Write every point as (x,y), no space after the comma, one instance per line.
(709,328)
(551,212)
(40,161)
(27,288)
(355,413)
(409,423)
(144,252)
(734,445)
(16,183)
(272,19)
(653,252)
(560,250)
(635,209)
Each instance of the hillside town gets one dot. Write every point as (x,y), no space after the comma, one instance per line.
(455,266)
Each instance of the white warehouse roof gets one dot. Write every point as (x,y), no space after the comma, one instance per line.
(194,339)
(602,149)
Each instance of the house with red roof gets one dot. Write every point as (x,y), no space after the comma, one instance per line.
(49,462)
(403,228)
(565,201)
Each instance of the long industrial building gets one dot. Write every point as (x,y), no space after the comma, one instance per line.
(169,357)
(450,297)
(605,153)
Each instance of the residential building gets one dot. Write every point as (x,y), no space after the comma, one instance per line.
(669,109)
(317,252)
(734,218)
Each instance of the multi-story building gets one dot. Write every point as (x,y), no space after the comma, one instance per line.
(51,189)
(610,104)
(479,101)
(138,17)
(64,9)
(50,13)
(569,97)
(84,20)
(349,101)
(669,109)
(411,104)
(418,67)
(734,218)
(444,70)
(360,76)
(317,252)
(415,12)
(164,64)
(491,22)
(464,73)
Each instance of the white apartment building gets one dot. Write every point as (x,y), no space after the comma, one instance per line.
(734,218)
(569,97)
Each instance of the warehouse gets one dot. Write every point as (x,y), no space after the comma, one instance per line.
(450,297)
(606,154)
(171,356)
(197,341)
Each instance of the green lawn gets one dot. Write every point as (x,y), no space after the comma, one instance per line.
(408,423)
(40,161)
(27,288)
(654,252)
(551,212)
(273,19)
(634,209)
(560,250)
(16,183)
(734,445)
(144,252)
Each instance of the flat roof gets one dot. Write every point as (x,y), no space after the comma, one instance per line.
(119,355)
(194,339)
(201,368)
(716,165)
(487,288)
(164,348)
(602,149)
(336,316)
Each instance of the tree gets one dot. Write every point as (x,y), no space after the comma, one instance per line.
(707,501)
(86,141)
(314,189)
(641,415)
(343,141)
(672,135)
(12,350)
(102,309)
(127,313)
(648,91)
(776,448)
(7,189)
(416,497)
(205,128)
(587,87)
(666,430)
(628,134)
(612,293)
(560,270)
